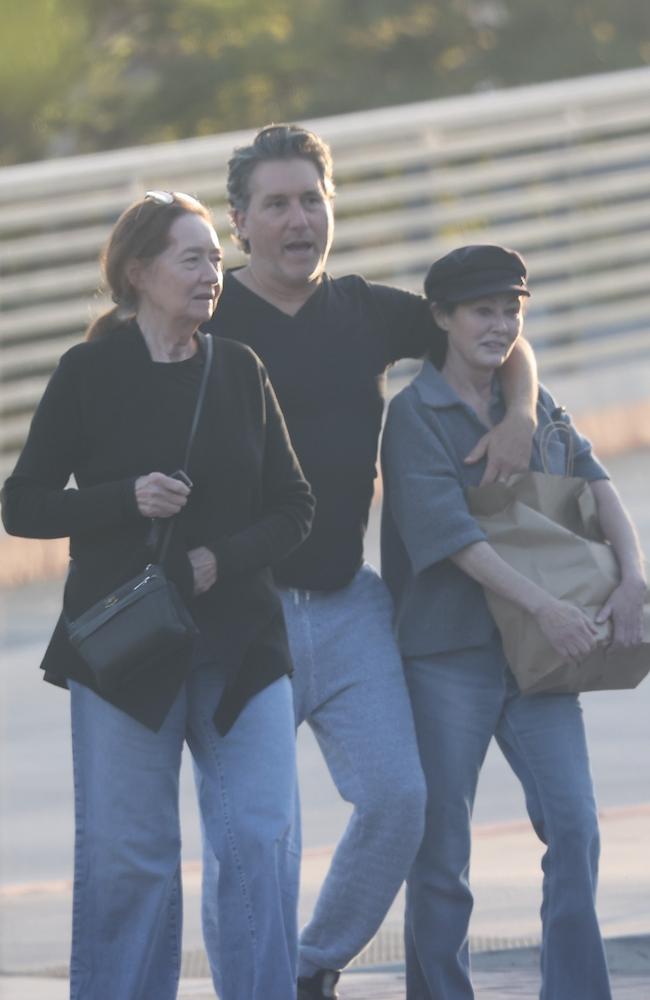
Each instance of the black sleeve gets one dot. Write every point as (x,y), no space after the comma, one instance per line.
(35,501)
(288,504)
(407,320)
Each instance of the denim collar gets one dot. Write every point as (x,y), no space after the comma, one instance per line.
(435,391)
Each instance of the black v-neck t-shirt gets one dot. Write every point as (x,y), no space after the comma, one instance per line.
(328,367)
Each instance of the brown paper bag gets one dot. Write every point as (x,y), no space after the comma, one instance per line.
(546,527)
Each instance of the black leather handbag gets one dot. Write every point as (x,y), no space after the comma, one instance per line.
(145,618)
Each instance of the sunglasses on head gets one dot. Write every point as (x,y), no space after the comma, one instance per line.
(169,197)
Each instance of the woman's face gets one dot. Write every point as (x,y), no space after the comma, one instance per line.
(481,333)
(183,283)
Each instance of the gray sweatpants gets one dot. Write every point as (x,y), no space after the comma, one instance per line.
(349,686)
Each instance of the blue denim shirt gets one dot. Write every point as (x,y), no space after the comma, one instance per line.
(429,431)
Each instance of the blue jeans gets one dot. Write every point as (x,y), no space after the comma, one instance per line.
(460,700)
(127,888)
(349,686)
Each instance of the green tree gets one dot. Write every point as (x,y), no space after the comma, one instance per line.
(137,71)
(42,55)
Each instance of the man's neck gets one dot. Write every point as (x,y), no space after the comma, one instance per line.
(288,299)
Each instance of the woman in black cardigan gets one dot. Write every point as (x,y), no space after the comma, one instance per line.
(116,415)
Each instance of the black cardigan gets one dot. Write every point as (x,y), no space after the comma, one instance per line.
(110,414)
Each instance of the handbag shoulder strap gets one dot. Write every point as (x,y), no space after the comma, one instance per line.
(207,343)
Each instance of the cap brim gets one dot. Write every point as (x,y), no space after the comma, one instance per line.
(467,294)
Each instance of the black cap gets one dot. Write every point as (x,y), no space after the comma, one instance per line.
(471,272)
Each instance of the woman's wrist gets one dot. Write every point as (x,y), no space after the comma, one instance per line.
(534,599)
(634,580)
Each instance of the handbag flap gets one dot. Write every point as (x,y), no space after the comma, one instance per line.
(151,579)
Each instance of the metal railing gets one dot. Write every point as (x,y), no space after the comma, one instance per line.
(560,171)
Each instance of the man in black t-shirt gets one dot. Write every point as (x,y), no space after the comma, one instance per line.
(327,344)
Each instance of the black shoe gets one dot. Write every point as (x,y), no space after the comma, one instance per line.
(320,986)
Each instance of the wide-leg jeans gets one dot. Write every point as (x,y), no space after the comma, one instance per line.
(127,889)
(460,700)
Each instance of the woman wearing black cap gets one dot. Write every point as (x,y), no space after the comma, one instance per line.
(436,561)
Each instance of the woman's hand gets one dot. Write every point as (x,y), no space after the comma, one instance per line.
(567,628)
(507,446)
(204,567)
(158,495)
(625,609)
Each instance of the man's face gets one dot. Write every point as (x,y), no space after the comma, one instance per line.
(288,223)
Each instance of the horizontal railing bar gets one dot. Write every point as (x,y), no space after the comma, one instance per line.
(519,234)
(486,175)
(88,241)
(77,171)
(388,257)
(86,277)
(570,193)
(73,311)
(586,353)
(50,317)
(522,135)
(77,208)
(20,395)
(40,354)
(620,247)
(46,245)
(72,207)
(83,279)
(588,321)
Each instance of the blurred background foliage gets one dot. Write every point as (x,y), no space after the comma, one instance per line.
(85,75)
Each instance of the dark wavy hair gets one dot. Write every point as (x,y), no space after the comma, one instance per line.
(275,142)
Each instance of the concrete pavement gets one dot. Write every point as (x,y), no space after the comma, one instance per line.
(510,975)
(505,927)
(502,975)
